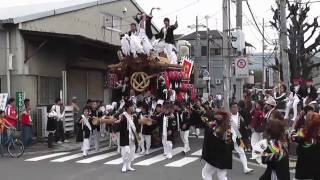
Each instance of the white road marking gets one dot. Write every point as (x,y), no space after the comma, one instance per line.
(158,158)
(47,156)
(182,162)
(119,160)
(199,137)
(75,156)
(197,153)
(98,158)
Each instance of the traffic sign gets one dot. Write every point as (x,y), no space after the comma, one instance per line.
(241,67)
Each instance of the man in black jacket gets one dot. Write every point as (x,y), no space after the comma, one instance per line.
(166,40)
(128,137)
(166,32)
(217,147)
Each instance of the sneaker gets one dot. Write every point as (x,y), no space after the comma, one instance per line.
(85,154)
(124,169)
(129,168)
(147,152)
(59,142)
(248,171)
(142,153)
(169,156)
(66,141)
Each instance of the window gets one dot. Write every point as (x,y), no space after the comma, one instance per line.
(217,51)
(212,51)
(192,51)
(204,50)
(49,90)
(116,21)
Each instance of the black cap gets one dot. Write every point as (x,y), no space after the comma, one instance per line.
(166,19)
(128,104)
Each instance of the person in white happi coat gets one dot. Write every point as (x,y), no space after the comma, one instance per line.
(131,43)
(237,123)
(294,99)
(86,130)
(128,137)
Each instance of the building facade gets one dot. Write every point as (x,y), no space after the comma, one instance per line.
(63,52)
(207,56)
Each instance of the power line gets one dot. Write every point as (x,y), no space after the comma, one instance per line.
(180,9)
(249,7)
(309,2)
(250,22)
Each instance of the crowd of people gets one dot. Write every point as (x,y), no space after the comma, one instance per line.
(260,126)
(256,124)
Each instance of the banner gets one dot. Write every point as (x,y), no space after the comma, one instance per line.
(3,101)
(187,66)
(242,67)
(20,96)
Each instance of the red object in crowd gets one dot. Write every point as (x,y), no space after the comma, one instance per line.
(193,92)
(257,118)
(167,80)
(180,96)
(11,115)
(25,119)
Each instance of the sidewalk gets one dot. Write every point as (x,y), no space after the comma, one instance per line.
(72,145)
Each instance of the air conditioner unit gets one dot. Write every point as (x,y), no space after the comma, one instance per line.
(218,81)
(69,119)
(42,118)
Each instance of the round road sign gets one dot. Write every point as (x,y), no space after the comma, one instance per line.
(241,63)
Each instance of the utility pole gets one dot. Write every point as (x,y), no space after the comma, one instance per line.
(284,43)
(197,52)
(208,52)
(197,39)
(226,53)
(239,82)
(263,63)
(239,14)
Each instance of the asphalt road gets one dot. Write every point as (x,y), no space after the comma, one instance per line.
(105,166)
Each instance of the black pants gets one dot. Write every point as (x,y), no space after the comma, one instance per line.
(59,134)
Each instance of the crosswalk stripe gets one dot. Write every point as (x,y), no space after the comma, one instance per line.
(197,153)
(158,158)
(98,158)
(119,160)
(47,156)
(75,156)
(199,137)
(182,162)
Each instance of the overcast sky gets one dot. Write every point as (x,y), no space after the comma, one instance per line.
(187,10)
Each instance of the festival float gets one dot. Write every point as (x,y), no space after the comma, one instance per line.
(155,73)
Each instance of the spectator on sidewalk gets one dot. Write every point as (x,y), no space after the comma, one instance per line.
(58,111)
(26,124)
(11,113)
